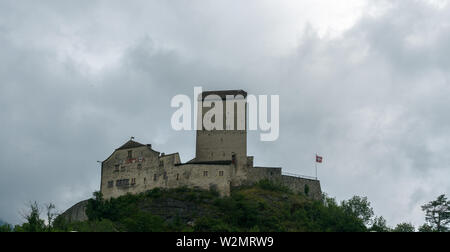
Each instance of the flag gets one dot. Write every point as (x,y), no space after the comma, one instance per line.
(318,159)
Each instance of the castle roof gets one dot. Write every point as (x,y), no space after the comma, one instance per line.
(215,162)
(223,93)
(130,144)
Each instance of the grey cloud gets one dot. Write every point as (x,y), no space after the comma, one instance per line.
(373,101)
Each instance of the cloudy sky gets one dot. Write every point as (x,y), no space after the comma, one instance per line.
(366,84)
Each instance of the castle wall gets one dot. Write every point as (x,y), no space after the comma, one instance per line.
(256,174)
(208,176)
(298,185)
(146,169)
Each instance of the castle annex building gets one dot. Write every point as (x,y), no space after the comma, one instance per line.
(220,162)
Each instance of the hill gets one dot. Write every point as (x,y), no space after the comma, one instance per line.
(263,207)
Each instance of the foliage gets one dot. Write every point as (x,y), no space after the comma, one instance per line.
(5,228)
(437,215)
(264,207)
(360,208)
(379,225)
(404,228)
(34,222)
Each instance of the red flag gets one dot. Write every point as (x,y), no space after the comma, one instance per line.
(318,159)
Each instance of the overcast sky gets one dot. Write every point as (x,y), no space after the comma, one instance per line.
(365,84)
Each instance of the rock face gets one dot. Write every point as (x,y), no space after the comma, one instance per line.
(77,212)
(169,209)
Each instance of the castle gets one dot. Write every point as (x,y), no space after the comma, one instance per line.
(220,162)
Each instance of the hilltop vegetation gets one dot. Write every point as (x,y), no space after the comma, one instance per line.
(264,207)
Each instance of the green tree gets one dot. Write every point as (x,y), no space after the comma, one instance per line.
(34,222)
(437,214)
(5,228)
(360,208)
(379,225)
(404,228)
(425,228)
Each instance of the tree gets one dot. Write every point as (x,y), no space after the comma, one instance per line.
(380,225)
(360,208)
(437,214)
(51,215)
(5,228)
(404,228)
(34,223)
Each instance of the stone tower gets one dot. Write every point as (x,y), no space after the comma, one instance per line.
(230,143)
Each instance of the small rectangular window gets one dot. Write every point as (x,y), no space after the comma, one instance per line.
(110,184)
(205,173)
(139,166)
(161,163)
(116,168)
(155,177)
(221,173)
(178,176)
(130,154)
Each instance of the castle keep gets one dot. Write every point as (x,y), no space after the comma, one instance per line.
(220,162)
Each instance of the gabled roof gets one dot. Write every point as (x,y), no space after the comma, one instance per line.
(130,144)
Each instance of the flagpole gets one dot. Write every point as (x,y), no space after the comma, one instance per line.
(315,164)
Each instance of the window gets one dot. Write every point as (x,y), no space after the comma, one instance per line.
(145,180)
(110,184)
(178,176)
(155,177)
(122,168)
(221,173)
(139,166)
(122,182)
(161,163)
(130,154)
(205,173)
(116,168)
(133,181)
(165,175)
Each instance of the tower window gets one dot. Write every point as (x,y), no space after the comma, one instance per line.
(155,177)
(122,182)
(130,154)
(139,166)
(178,176)
(221,173)
(205,173)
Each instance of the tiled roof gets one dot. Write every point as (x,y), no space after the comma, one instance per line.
(130,144)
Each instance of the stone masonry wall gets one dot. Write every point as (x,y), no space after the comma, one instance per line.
(298,185)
